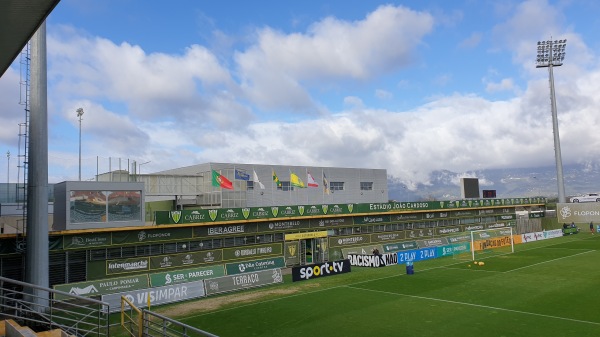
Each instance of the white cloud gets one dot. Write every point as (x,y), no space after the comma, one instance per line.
(383,94)
(506,84)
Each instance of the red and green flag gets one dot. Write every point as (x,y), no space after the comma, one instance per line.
(219,180)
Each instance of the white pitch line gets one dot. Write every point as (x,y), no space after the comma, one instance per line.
(559,258)
(478,306)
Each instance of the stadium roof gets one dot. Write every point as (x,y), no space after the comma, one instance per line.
(19,19)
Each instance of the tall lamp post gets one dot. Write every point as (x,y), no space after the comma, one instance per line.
(551,54)
(79,114)
(8,176)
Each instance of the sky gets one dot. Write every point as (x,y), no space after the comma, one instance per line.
(408,86)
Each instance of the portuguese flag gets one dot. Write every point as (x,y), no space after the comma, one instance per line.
(219,180)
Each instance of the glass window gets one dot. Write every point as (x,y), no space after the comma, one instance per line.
(336,186)
(285,186)
(366,185)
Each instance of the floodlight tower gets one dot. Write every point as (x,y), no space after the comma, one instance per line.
(551,54)
(79,114)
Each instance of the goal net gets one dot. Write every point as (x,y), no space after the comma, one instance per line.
(487,242)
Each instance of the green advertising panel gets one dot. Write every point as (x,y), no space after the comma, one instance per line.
(342,241)
(242,281)
(231,229)
(371,219)
(388,236)
(86,240)
(505,217)
(151,235)
(470,228)
(186,259)
(396,247)
(185,275)
(459,238)
(458,248)
(406,217)
(238,253)
(283,225)
(291,252)
(252,266)
(132,265)
(102,287)
(420,233)
(447,230)
(331,222)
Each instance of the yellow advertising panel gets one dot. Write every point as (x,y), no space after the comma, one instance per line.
(305,235)
(496,242)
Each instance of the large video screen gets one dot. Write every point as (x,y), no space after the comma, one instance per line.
(105,206)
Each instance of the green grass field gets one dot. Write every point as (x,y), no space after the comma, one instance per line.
(546,288)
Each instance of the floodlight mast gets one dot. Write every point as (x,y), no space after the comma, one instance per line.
(551,54)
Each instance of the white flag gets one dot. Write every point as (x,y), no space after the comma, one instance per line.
(256,181)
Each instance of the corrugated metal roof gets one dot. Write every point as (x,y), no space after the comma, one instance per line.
(19,19)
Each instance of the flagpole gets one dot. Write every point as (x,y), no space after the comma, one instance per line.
(306,169)
(323,181)
(272,182)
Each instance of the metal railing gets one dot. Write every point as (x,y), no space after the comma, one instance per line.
(144,323)
(35,306)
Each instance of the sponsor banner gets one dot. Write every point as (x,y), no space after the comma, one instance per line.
(459,238)
(447,230)
(505,217)
(432,242)
(554,233)
(341,241)
(331,222)
(259,213)
(420,233)
(537,214)
(497,225)
(395,247)
(371,219)
(283,225)
(406,217)
(186,259)
(388,236)
(185,276)
(252,266)
(156,296)
(243,281)
(151,235)
(582,212)
(457,248)
(305,235)
(291,250)
(374,261)
(138,264)
(237,253)
(207,231)
(470,228)
(86,241)
(362,250)
(493,242)
(530,237)
(101,287)
(417,255)
(312,271)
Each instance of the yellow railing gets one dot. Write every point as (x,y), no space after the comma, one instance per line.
(131,318)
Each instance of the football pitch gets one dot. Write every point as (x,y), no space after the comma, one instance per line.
(545,288)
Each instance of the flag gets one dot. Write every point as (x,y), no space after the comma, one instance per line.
(219,180)
(276,180)
(256,181)
(296,181)
(241,175)
(311,180)
(325,184)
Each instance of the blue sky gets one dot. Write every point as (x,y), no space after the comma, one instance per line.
(409,86)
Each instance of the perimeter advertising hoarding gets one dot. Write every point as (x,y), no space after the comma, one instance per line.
(373,261)
(186,275)
(101,287)
(395,247)
(578,213)
(312,271)
(342,241)
(492,242)
(457,248)
(417,255)
(87,241)
(420,233)
(243,281)
(258,213)
(151,235)
(131,265)
(252,266)
(238,253)
(156,296)
(186,259)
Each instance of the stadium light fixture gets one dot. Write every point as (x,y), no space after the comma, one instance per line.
(551,54)
(79,114)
